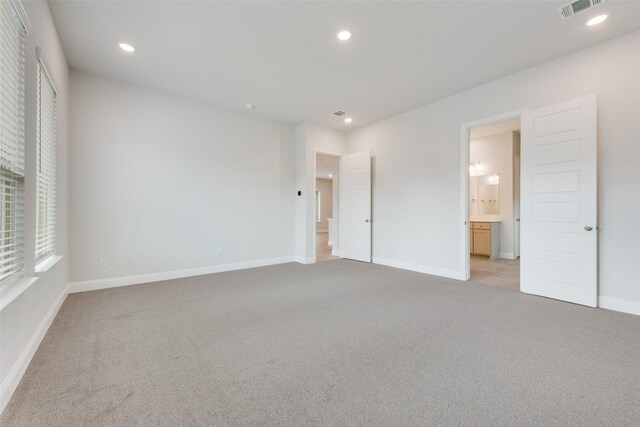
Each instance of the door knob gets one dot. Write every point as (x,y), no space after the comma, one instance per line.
(588,228)
(517,219)
(366,220)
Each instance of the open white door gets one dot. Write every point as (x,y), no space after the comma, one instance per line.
(559,237)
(355,206)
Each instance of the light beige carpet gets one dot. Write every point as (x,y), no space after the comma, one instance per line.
(335,343)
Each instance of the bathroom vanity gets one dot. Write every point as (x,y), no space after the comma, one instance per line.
(484,237)
(484,215)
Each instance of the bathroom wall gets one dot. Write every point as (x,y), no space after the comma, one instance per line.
(495,154)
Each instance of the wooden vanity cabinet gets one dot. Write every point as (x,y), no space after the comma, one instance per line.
(485,239)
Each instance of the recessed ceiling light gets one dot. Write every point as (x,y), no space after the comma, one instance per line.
(348,120)
(344,35)
(597,20)
(330,176)
(127,47)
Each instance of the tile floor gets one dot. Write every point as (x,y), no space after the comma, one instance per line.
(323,250)
(504,273)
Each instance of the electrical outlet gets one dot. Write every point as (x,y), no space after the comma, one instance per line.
(246,249)
(104,262)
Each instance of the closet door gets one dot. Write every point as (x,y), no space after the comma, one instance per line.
(355,206)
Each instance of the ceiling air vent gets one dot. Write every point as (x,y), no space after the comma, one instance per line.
(339,113)
(567,11)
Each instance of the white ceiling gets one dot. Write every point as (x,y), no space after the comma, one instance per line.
(495,129)
(284,57)
(326,165)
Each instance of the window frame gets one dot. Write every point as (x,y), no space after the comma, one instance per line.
(43,76)
(13,167)
(318,206)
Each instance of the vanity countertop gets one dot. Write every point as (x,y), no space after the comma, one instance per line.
(488,218)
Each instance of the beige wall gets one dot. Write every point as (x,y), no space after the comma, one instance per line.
(325,187)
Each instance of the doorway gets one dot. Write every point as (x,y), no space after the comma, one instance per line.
(558,200)
(493,199)
(326,206)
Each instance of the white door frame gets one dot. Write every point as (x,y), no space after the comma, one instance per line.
(312,214)
(517,160)
(465,141)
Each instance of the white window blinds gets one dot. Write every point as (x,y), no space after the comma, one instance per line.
(46,164)
(12,75)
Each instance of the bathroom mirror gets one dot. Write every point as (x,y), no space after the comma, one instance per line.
(488,199)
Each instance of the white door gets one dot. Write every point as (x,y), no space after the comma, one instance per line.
(355,206)
(559,202)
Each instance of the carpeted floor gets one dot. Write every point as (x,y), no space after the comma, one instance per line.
(334,343)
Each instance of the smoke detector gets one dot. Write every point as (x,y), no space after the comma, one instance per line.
(568,10)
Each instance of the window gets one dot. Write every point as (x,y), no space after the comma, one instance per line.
(46,164)
(318,207)
(12,71)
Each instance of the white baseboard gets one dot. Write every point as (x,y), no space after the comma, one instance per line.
(114,282)
(11,381)
(615,304)
(443,272)
(507,255)
(302,260)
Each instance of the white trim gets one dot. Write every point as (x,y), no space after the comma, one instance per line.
(46,264)
(11,381)
(465,140)
(334,251)
(435,271)
(309,260)
(22,14)
(10,292)
(114,282)
(616,304)
(45,66)
(464,199)
(507,255)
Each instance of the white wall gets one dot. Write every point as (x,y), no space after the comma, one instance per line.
(416,194)
(309,139)
(160,183)
(24,321)
(495,154)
